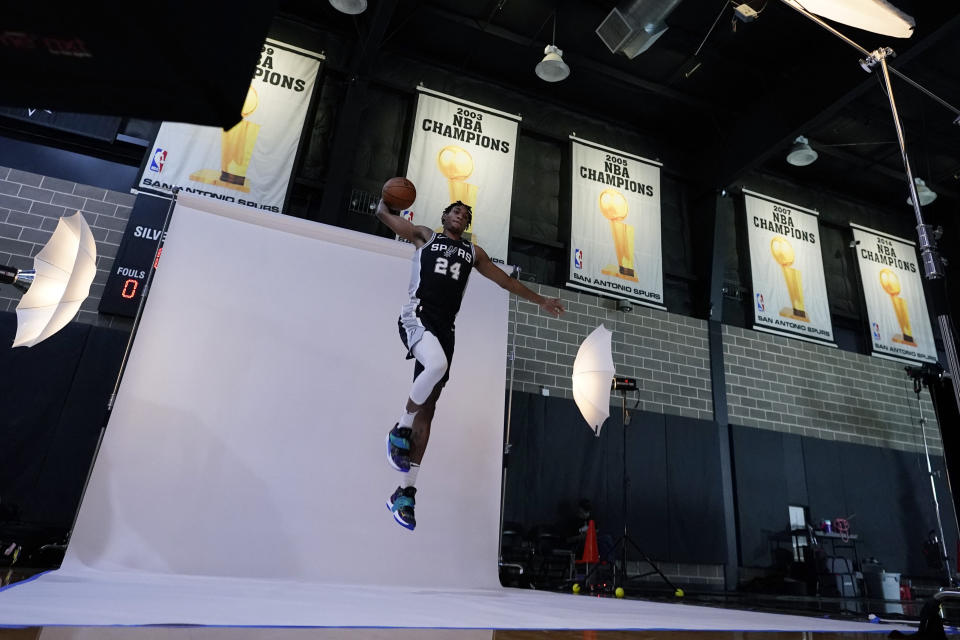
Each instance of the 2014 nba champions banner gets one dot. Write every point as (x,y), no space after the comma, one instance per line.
(464,151)
(789,288)
(615,223)
(893,288)
(251,163)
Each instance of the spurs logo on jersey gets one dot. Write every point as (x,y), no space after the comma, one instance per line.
(439,273)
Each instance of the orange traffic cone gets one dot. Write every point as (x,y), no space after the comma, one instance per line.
(591,555)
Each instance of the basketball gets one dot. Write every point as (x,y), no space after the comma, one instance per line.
(398,193)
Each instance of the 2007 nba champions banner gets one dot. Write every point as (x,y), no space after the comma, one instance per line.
(615,223)
(251,163)
(464,151)
(789,289)
(893,288)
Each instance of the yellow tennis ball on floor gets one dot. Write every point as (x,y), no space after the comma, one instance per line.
(618,592)
(678,593)
(576,588)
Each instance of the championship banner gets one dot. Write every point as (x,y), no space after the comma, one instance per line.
(251,163)
(464,151)
(896,306)
(789,289)
(615,224)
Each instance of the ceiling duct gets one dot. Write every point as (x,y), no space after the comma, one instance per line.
(633,26)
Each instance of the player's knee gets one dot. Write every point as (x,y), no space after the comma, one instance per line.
(437,368)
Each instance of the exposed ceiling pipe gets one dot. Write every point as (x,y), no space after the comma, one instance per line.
(633,26)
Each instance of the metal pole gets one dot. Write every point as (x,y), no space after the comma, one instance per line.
(626,487)
(506,443)
(933,488)
(902,76)
(932,264)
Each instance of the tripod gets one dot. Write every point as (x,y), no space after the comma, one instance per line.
(624,542)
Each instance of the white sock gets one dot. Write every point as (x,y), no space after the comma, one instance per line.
(406,420)
(410,477)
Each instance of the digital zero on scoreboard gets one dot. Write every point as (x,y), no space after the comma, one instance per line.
(138,254)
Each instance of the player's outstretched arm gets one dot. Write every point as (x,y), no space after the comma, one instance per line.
(417,234)
(487,268)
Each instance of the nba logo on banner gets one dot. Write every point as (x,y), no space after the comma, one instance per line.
(760,305)
(156,162)
(876,331)
(578,258)
(407,214)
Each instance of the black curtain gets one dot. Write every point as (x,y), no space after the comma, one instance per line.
(52,414)
(674,507)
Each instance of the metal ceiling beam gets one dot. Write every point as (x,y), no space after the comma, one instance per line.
(771,126)
(579,61)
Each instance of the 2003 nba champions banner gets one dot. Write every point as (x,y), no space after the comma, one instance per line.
(893,288)
(251,163)
(615,223)
(789,289)
(464,151)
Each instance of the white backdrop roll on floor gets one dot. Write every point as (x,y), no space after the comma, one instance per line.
(242,478)
(248,435)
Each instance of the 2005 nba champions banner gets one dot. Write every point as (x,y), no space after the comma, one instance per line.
(251,163)
(615,223)
(893,288)
(464,151)
(789,289)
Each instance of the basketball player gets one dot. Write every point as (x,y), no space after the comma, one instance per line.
(441,266)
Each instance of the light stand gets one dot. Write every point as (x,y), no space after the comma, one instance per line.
(930,256)
(620,577)
(924,376)
(931,626)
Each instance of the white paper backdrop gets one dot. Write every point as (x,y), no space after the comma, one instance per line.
(248,436)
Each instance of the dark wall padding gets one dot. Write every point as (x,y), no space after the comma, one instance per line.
(674,504)
(884,493)
(761,491)
(52,414)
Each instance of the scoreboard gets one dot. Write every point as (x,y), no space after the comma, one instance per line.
(137,255)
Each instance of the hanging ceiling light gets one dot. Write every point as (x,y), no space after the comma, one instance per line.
(352,7)
(877,16)
(552,68)
(800,153)
(925,194)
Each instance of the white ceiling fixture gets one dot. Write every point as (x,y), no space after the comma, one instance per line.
(800,153)
(552,68)
(352,7)
(925,194)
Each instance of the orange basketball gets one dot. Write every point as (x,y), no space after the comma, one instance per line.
(398,193)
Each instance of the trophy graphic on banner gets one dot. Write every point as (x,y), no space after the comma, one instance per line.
(456,164)
(613,206)
(891,284)
(236,149)
(783,253)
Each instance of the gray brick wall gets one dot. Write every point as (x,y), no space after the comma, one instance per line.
(798,387)
(667,353)
(31,204)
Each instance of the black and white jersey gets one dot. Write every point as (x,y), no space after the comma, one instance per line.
(439,274)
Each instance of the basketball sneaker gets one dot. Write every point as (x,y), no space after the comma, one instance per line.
(401,503)
(398,447)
